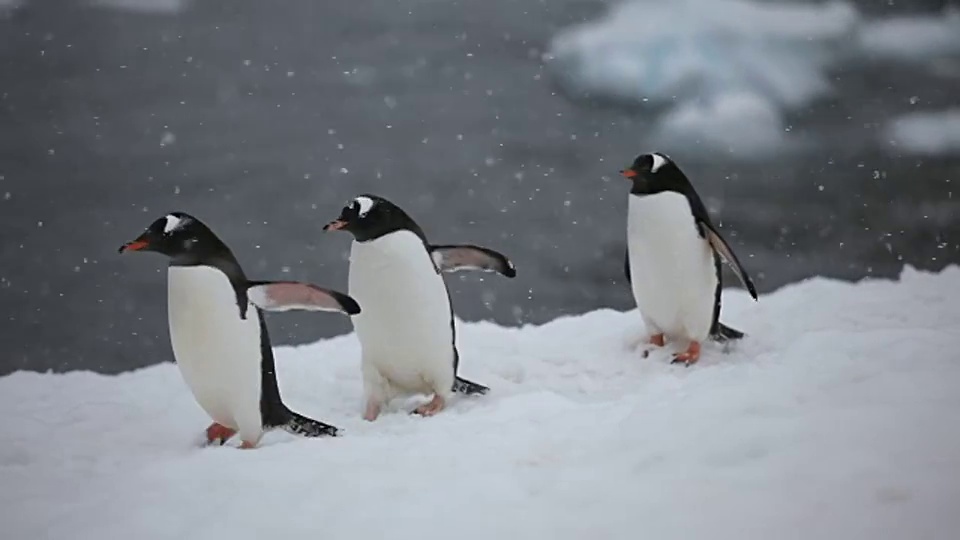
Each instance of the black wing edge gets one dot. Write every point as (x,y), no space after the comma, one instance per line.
(721,247)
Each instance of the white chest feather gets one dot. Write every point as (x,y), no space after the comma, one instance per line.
(217,352)
(404,326)
(672,270)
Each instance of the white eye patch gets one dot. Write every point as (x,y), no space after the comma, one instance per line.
(365,203)
(172,223)
(658,161)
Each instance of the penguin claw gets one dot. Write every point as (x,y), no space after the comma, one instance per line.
(688,357)
(678,360)
(219,434)
(433,407)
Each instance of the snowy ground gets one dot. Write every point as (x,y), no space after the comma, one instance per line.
(835,419)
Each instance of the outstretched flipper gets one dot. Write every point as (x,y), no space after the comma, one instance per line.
(463,386)
(298,424)
(287,295)
(721,247)
(470,257)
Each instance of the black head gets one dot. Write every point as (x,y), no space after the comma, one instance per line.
(180,236)
(368,217)
(653,173)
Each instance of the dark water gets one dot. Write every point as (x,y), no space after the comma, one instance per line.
(262,118)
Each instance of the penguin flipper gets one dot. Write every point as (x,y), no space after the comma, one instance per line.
(287,295)
(298,424)
(626,264)
(469,257)
(463,386)
(721,247)
(723,333)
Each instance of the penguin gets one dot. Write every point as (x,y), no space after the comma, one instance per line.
(673,258)
(407,331)
(218,334)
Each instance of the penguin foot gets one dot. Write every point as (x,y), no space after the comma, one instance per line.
(248,445)
(657,340)
(372,411)
(220,434)
(688,357)
(433,407)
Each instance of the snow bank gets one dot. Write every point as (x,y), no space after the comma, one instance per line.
(727,71)
(926,132)
(836,418)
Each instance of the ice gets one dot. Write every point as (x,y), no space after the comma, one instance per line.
(930,132)
(834,418)
(913,38)
(724,73)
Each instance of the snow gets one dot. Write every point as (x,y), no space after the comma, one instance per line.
(929,132)
(727,72)
(834,418)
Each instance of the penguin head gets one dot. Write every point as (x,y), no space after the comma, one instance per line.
(652,173)
(177,235)
(368,217)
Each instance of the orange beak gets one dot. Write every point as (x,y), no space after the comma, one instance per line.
(628,173)
(135,245)
(335,225)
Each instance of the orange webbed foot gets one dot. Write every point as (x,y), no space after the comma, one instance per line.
(433,407)
(688,357)
(219,434)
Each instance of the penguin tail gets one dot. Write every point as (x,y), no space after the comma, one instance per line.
(723,333)
(463,386)
(298,424)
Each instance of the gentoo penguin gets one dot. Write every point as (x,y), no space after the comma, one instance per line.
(218,334)
(406,331)
(673,258)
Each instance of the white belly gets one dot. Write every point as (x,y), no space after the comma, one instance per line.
(217,352)
(671,266)
(404,323)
